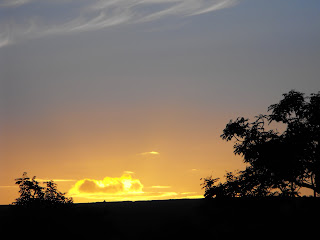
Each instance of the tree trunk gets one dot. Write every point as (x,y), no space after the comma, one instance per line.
(317,183)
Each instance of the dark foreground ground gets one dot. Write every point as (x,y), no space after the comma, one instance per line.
(169,219)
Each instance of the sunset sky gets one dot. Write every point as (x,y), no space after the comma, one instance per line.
(126,99)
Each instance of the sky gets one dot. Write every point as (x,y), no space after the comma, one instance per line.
(126,99)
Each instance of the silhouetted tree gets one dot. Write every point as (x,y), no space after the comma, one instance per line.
(282,161)
(247,183)
(33,195)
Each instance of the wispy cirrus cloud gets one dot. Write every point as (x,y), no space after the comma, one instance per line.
(150,153)
(72,16)
(160,187)
(13,3)
(55,180)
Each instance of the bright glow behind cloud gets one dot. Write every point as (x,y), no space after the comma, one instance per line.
(124,188)
(123,185)
(93,15)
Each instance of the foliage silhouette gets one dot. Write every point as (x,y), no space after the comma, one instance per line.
(279,163)
(33,195)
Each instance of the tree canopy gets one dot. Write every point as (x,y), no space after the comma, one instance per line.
(278,162)
(34,195)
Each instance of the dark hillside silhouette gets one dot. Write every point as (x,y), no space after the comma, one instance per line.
(279,163)
(169,219)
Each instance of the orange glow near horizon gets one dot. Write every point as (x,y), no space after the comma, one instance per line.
(88,153)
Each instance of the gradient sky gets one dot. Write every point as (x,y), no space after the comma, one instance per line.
(139,91)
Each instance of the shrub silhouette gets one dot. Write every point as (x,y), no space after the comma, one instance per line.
(278,163)
(33,195)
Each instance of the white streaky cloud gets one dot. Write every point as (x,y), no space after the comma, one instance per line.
(188,193)
(55,180)
(160,187)
(178,8)
(95,15)
(144,196)
(4,41)
(150,153)
(193,197)
(13,3)
(218,6)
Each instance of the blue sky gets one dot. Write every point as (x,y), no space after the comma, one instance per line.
(177,48)
(142,76)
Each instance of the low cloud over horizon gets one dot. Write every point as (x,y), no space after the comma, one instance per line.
(122,185)
(124,188)
(82,16)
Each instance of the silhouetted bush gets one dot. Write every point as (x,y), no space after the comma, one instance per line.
(33,195)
